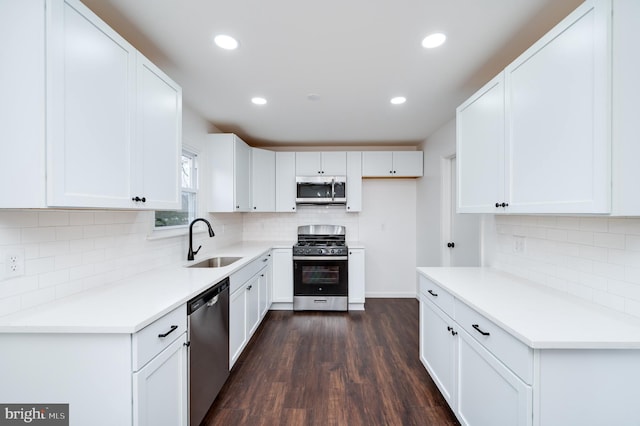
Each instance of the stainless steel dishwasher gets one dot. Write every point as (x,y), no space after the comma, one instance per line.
(208,326)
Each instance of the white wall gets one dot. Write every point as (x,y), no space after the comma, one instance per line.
(69,251)
(441,144)
(385,227)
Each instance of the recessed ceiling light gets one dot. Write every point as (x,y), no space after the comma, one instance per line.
(433,40)
(398,100)
(225,42)
(258,100)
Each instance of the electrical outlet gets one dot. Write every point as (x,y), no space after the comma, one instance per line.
(14,263)
(519,244)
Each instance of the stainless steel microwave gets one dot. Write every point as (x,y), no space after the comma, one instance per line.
(321,190)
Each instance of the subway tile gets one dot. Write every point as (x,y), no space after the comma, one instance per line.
(9,305)
(53,218)
(580,237)
(595,224)
(557,234)
(18,285)
(69,233)
(624,289)
(609,300)
(608,240)
(609,270)
(81,218)
(593,253)
(568,222)
(632,242)
(18,219)
(39,266)
(632,307)
(53,248)
(93,231)
(68,261)
(53,278)
(38,235)
(68,288)
(10,236)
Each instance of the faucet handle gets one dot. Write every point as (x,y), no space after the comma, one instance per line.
(197,250)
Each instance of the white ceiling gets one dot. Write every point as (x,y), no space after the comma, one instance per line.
(354,54)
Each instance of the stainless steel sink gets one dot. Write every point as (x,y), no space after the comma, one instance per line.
(215,262)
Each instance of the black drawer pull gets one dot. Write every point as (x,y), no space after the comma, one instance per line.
(173,328)
(432,293)
(477,328)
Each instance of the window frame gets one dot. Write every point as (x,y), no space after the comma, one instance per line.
(193,189)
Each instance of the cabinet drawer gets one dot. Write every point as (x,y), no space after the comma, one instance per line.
(244,274)
(148,342)
(433,292)
(512,352)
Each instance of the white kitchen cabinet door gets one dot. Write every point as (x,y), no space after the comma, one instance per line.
(282,275)
(265,289)
(489,393)
(160,392)
(308,163)
(439,349)
(356,276)
(285,181)
(407,163)
(90,103)
(354,181)
(252,305)
(377,163)
(480,134)
(230,160)
(334,163)
(392,163)
(558,120)
(237,324)
(158,143)
(330,163)
(263,177)
(22,110)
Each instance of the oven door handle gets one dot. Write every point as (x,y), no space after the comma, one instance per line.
(320,258)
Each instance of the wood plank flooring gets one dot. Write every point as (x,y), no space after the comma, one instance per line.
(330,368)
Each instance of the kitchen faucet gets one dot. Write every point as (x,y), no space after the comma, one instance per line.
(211,234)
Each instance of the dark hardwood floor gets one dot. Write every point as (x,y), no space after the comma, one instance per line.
(329,368)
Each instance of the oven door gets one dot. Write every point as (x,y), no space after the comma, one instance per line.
(320,276)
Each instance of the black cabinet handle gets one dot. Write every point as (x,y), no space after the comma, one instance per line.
(432,293)
(451,245)
(138,199)
(255,208)
(497,205)
(504,205)
(187,344)
(454,333)
(249,288)
(173,328)
(449,328)
(477,328)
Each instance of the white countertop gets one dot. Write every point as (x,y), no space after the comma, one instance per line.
(129,305)
(538,316)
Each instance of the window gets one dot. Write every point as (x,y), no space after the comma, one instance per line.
(189,179)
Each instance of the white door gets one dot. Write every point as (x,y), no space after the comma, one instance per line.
(461,236)
(160,388)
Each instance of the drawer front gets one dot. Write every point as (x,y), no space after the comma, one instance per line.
(512,352)
(158,335)
(244,274)
(433,292)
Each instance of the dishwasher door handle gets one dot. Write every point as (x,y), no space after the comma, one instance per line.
(213,301)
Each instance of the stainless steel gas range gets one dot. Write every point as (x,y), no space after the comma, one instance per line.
(321,269)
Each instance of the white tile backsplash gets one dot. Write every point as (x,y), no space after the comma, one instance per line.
(67,252)
(595,258)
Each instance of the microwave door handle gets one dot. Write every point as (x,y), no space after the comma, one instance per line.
(333,189)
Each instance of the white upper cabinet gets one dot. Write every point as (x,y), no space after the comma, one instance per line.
(156,165)
(112,120)
(354,181)
(625,95)
(392,164)
(22,109)
(558,139)
(331,163)
(537,138)
(285,181)
(263,178)
(480,149)
(229,159)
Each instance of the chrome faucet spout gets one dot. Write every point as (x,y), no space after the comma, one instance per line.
(192,252)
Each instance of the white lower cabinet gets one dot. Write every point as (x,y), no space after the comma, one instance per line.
(248,303)
(283,276)
(439,349)
(480,388)
(160,388)
(356,279)
(107,379)
(488,392)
